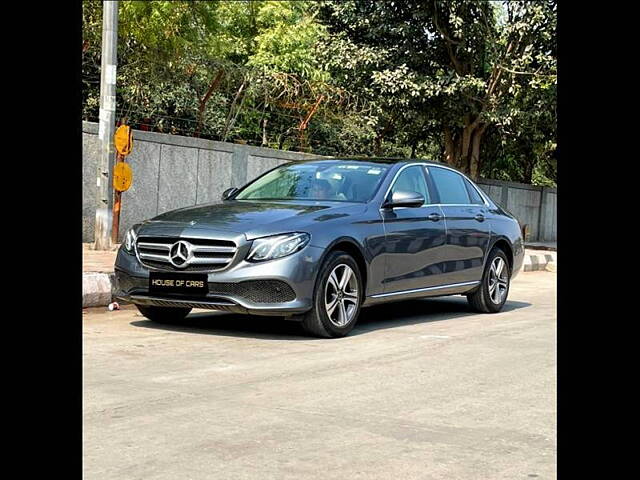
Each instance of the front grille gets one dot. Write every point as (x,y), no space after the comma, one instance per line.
(188,268)
(207,255)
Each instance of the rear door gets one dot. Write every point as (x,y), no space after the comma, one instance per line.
(468,230)
(414,237)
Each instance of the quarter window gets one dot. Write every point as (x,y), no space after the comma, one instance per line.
(451,186)
(476,199)
(411,179)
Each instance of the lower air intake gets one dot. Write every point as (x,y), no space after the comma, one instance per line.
(256,291)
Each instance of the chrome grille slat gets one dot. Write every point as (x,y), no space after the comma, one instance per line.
(208,249)
(209,260)
(155,246)
(153,256)
(207,255)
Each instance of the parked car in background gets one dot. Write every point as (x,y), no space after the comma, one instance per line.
(316,241)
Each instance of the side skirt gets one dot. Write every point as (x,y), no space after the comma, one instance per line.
(450,289)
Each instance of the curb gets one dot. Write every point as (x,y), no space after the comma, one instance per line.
(547,261)
(552,247)
(97,289)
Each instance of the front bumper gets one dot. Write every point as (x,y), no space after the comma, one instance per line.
(297,271)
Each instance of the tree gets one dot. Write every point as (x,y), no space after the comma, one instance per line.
(216,69)
(451,63)
(470,83)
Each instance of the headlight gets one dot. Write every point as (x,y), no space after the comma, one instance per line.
(130,240)
(278,246)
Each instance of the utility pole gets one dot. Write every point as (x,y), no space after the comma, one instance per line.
(104,193)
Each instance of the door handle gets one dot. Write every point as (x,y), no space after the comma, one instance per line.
(479,217)
(434,217)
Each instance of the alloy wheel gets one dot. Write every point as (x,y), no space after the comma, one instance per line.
(498,280)
(341,295)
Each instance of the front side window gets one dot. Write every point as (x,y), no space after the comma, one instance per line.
(450,185)
(341,182)
(411,179)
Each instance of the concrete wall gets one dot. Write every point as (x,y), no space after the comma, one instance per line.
(532,205)
(170,171)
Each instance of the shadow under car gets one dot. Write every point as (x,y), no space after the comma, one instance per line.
(377,317)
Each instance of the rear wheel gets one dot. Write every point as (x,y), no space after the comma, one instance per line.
(163,314)
(491,296)
(337,297)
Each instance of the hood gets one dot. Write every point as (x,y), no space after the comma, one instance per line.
(256,218)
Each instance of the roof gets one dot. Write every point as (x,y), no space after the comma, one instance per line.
(386,160)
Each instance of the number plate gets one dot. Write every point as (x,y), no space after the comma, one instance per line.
(185,283)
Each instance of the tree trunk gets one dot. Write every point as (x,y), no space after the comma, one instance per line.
(474,160)
(377,148)
(467,132)
(264,132)
(450,156)
(231,118)
(527,175)
(203,103)
(462,148)
(380,136)
(235,117)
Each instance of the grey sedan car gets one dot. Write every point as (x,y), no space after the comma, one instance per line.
(316,241)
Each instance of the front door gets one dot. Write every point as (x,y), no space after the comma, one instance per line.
(415,238)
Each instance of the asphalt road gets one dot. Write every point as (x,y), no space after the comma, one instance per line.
(423,389)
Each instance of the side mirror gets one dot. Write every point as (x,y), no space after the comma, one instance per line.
(228,193)
(405,199)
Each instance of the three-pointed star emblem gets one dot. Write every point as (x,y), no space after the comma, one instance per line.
(180,253)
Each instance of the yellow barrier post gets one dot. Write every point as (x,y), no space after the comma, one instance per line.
(122,174)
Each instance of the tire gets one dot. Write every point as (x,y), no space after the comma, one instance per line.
(335,307)
(487,298)
(163,314)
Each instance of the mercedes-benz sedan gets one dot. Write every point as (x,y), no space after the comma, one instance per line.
(316,241)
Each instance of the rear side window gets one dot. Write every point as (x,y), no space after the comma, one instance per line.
(451,186)
(476,199)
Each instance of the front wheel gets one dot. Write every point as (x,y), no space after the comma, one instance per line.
(163,314)
(337,297)
(491,296)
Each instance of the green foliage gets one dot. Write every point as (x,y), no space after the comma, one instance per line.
(168,29)
(169,53)
(435,68)
(288,35)
(402,79)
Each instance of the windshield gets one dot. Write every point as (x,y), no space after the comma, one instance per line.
(342,182)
